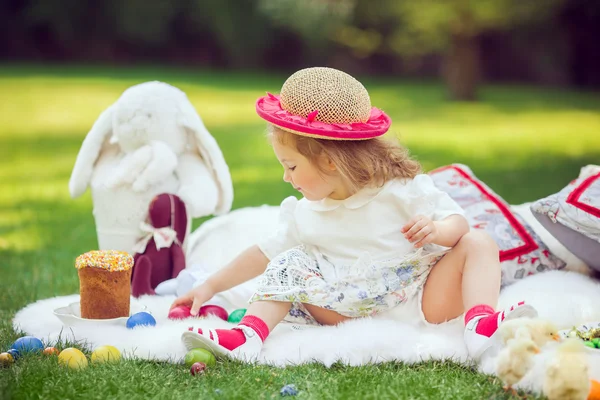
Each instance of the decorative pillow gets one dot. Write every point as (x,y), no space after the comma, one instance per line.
(572,215)
(522,253)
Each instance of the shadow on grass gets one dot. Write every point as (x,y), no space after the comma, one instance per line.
(404,97)
(220,79)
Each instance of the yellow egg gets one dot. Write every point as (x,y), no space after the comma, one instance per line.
(72,358)
(6,359)
(106,354)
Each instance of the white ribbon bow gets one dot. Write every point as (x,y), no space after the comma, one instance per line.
(163,237)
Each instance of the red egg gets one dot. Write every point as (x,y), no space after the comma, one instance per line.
(219,311)
(197,368)
(180,312)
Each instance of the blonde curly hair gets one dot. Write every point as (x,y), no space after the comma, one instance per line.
(361,163)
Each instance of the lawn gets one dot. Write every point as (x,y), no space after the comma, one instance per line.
(524,142)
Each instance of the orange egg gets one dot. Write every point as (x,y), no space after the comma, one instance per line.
(594,390)
(50,351)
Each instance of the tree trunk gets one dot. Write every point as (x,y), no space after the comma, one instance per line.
(462,68)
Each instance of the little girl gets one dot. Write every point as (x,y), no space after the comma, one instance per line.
(371,233)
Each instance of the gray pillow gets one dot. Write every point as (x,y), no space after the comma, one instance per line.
(586,249)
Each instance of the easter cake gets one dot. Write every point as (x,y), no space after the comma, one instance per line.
(104,283)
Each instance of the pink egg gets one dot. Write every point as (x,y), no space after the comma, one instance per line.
(214,310)
(180,312)
(197,368)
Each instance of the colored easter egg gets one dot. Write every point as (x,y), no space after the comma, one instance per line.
(197,368)
(589,344)
(14,353)
(596,342)
(288,390)
(6,360)
(141,319)
(237,315)
(214,310)
(50,351)
(594,393)
(72,358)
(180,312)
(104,354)
(200,355)
(28,344)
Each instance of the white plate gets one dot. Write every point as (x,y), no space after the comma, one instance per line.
(582,328)
(71,316)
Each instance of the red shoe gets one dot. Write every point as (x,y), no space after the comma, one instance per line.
(478,341)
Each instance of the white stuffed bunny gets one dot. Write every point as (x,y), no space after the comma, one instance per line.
(150,141)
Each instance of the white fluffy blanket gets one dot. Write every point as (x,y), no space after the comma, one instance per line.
(566,298)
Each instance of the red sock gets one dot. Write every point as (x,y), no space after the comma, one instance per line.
(233,338)
(488,324)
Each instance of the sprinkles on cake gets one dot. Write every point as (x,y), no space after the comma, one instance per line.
(111,260)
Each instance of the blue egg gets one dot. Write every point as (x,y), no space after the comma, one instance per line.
(14,353)
(289,390)
(139,319)
(28,344)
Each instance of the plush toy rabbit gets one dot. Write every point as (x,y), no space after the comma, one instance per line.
(150,141)
(159,253)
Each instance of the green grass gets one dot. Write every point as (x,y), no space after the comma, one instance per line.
(524,142)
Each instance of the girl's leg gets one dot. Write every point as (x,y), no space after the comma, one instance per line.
(260,319)
(262,316)
(467,279)
(325,316)
(271,312)
(468,275)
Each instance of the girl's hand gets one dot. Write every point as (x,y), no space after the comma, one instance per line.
(195,297)
(420,230)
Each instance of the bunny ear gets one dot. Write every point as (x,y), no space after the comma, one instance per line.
(211,154)
(89,152)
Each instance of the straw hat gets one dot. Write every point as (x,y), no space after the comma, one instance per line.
(324,103)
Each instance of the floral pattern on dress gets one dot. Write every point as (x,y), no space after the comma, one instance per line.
(361,289)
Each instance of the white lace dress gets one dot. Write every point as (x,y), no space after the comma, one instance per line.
(349,255)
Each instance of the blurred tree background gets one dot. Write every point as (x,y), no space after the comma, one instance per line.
(464,42)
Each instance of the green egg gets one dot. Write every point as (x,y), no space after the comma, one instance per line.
(199,355)
(596,342)
(589,344)
(237,315)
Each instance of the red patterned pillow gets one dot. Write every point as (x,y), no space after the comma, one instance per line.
(573,215)
(522,253)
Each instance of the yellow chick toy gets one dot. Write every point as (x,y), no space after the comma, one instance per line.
(540,330)
(516,359)
(567,374)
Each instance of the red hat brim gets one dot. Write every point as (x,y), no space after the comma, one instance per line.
(269,108)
